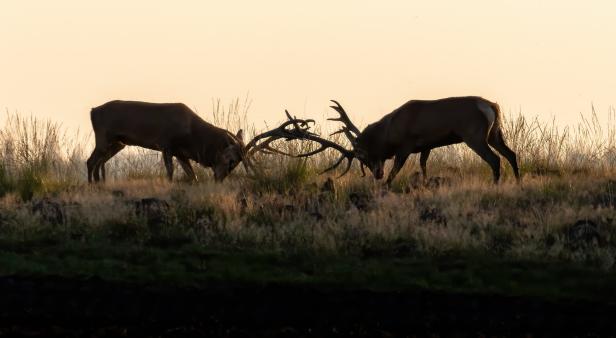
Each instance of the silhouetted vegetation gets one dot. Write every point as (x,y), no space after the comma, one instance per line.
(52,220)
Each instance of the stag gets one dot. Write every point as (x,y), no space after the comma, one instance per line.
(171,128)
(176,131)
(419,126)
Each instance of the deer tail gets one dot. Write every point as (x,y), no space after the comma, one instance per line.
(497,125)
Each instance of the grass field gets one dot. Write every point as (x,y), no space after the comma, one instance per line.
(552,236)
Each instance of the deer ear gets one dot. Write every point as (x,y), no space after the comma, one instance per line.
(240,135)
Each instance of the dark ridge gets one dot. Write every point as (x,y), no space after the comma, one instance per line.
(54,306)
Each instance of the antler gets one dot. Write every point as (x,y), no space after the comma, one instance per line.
(349,129)
(346,154)
(300,131)
(300,128)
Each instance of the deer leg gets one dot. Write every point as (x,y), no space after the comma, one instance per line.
(399,161)
(168,160)
(423,160)
(482,149)
(115,148)
(102,169)
(188,169)
(91,164)
(497,142)
(102,145)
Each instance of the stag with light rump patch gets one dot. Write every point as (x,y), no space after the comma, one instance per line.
(419,126)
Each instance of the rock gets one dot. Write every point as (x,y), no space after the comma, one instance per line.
(434,215)
(154,210)
(49,211)
(117,193)
(584,233)
(204,218)
(362,201)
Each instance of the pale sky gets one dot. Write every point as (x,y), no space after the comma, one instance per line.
(552,58)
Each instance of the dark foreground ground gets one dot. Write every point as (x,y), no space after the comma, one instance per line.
(55,306)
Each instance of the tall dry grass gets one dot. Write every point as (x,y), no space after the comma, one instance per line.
(569,176)
(40,155)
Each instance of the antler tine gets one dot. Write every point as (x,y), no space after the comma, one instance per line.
(346,132)
(346,154)
(337,163)
(279,132)
(333,166)
(299,124)
(324,145)
(292,119)
(348,167)
(300,129)
(266,148)
(314,152)
(351,130)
